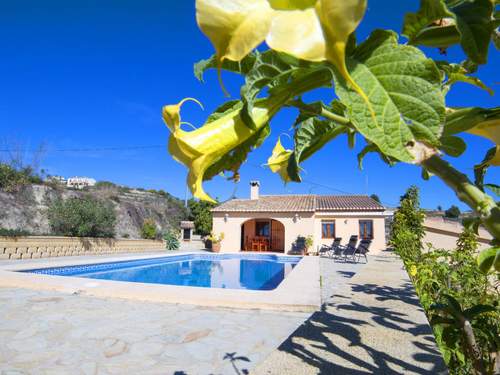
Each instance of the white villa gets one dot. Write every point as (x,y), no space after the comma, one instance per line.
(274,222)
(80,182)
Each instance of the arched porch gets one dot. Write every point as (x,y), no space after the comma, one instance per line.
(263,235)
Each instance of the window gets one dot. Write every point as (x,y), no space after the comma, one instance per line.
(262,228)
(328,229)
(366,229)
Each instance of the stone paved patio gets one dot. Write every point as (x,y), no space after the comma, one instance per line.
(43,332)
(371,324)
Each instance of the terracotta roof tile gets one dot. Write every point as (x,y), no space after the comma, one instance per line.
(347,203)
(301,203)
(187,225)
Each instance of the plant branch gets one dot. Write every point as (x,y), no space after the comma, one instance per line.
(322,112)
(467,192)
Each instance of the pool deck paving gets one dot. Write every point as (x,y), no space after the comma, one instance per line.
(370,323)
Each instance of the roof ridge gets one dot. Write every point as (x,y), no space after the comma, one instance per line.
(310,195)
(286,195)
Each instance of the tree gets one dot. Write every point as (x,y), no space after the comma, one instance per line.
(200,212)
(453,212)
(375,198)
(82,217)
(439,208)
(407,231)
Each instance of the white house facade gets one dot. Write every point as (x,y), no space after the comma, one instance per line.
(80,182)
(275,222)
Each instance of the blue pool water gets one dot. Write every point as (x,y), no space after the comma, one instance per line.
(231,271)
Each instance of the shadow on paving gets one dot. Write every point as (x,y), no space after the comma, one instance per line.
(340,321)
(235,361)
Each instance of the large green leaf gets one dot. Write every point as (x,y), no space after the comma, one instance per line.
(310,135)
(271,70)
(452,145)
(441,23)
(430,11)
(474,22)
(489,258)
(458,73)
(241,67)
(404,90)
(476,310)
(453,306)
(494,188)
(369,148)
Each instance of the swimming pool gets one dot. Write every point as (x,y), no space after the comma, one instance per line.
(227,271)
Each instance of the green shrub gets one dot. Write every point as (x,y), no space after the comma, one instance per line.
(13,232)
(171,240)
(148,230)
(450,287)
(12,179)
(105,185)
(82,217)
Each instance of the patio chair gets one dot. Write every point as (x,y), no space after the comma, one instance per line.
(349,250)
(337,249)
(363,249)
(330,250)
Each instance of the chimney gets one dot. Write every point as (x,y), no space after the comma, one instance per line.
(254,190)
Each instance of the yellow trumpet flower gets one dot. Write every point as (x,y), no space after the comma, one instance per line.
(491,130)
(278,161)
(200,148)
(313,30)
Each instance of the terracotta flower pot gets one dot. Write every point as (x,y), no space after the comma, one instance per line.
(215,247)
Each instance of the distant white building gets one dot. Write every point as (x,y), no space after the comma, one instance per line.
(80,182)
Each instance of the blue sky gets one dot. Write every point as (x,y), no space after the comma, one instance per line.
(95,74)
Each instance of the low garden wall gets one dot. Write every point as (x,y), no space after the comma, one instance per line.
(50,246)
(443,234)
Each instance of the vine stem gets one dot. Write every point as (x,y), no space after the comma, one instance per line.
(322,112)
(467,192)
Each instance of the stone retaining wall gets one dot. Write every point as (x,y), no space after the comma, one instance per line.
(42,247)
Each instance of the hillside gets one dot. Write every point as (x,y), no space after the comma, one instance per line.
(26,208)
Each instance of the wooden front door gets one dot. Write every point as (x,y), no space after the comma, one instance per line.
(277,236)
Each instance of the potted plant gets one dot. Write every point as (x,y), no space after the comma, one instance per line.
(215,241)
(308,243)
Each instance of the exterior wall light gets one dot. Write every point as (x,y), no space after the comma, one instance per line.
(226,216)
(296,218)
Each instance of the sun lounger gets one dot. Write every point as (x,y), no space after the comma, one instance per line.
(330,250)
(363,249)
